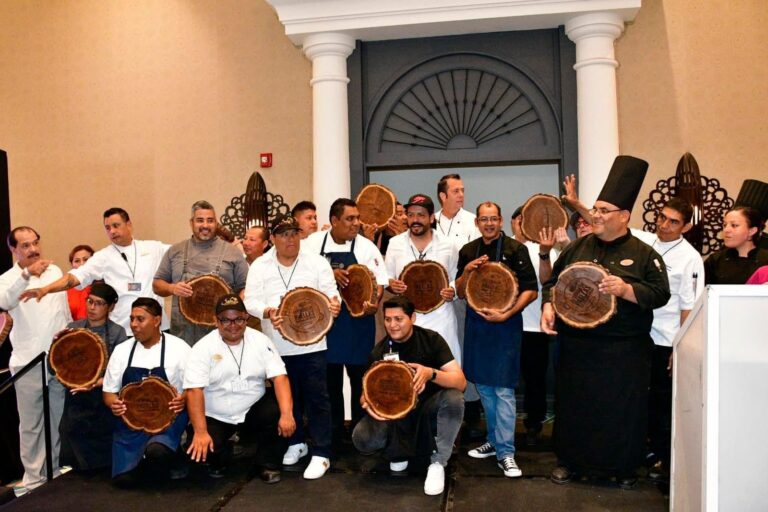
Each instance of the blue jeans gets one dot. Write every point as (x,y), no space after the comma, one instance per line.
(500,416)
(309,387)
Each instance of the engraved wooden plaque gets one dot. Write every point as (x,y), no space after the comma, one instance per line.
(424,279)
(362,287)
(200,307)
(376,204)
(306,316)
(78,357)
(576,298)
(388,389)
(146,405)
(6,324)
(542,211)
(493,286)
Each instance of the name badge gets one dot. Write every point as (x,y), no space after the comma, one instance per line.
(134,287)
(391,356)
(239,384)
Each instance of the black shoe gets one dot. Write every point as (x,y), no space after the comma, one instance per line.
(658,472)
(216,471)
(627,483)
(532,437)
(270,476)
(561,475)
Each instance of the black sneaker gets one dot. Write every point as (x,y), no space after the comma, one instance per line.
(509,466)
(482,452)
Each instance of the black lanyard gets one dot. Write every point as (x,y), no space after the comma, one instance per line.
(295,264)
(242,351)
(125,259)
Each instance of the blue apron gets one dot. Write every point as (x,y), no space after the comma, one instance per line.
(492,349)
(128,446)
(350,340)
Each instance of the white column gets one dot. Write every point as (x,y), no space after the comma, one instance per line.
(330,124)
(597,109)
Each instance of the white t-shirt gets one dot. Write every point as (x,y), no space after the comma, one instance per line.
(268,281)
(366,252)
(460,230)
(683,263)
(231,391)
(176,353)
(532,312)
(142,258)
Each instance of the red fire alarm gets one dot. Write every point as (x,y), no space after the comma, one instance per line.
(266,159)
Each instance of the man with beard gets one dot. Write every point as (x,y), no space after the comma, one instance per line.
(421,242)
(492,337)
(603,373)
(34,325)
(128,265)
(203,253)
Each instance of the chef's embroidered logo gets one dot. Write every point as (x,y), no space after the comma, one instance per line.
(626,263)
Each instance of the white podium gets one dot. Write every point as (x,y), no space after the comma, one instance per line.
(720,403)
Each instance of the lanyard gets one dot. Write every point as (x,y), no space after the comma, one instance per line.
(242,350)
(421,255)
(125,259)
(295,264)
(440,218)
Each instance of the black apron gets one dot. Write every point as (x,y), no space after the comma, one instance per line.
(128,446)
(350,340)
(492,349)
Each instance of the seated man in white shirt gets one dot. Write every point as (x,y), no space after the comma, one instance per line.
(226,392)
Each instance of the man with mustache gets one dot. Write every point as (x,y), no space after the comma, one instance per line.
(34,325)
(421,242)
(126,264)
(203,253)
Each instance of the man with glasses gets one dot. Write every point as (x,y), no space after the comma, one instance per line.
(225,381)
(685,270)
(603,373)
(492,337)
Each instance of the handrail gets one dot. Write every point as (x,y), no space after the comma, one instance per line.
(5,386)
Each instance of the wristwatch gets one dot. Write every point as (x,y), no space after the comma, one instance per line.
(434,374)
(544,256)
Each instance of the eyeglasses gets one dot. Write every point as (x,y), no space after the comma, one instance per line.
(226,322)
(486,220)
(97,303)
(602,211)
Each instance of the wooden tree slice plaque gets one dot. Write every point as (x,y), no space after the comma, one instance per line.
(306,316)
(388,389)
(146,404)
(492,285)
(200,307)
(576,298)
(362,287)
(424,279)
(6,324)
(376,204)
(542,211)
(78,357)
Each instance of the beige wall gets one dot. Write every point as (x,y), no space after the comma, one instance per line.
(693,76)
(149,105)
(153,104)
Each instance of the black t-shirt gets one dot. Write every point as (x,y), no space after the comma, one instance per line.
(424,347)
(513,254)
(727,267)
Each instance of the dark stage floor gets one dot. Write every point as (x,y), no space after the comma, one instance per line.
(354,483)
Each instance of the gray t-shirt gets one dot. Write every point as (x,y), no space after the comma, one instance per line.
(191,258)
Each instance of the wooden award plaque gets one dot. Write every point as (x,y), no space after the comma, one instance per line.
(388,389)
(542,211)
(493,286)
(200,307)
(424,279)
(576,298)
(6,324)
(146,405)
(78,357)
(376,204)
(362,287)
(306,316)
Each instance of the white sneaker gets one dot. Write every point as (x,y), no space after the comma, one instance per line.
(397,467)
(435,481)
(294,453)
(317,467)
(510,468)
(482,452)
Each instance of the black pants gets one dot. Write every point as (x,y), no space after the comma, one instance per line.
(336,392)
(534,359)
(660,405)
(261,421)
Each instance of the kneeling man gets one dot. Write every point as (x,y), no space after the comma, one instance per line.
(225,382)
(431,428)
